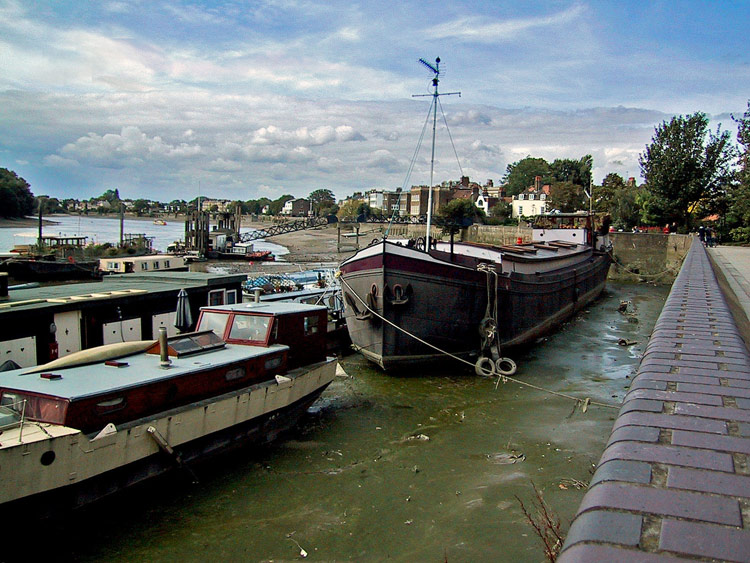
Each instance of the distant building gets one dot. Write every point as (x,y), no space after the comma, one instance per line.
(531,202)
(296,208)
(221,204)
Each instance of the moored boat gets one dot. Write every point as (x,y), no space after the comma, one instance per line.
(406,306)
(409,303)
(75,432)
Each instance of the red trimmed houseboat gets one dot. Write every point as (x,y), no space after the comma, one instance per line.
(92,422)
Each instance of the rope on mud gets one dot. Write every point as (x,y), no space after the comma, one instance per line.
(584,403)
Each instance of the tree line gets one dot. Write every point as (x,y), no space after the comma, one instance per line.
(691,175)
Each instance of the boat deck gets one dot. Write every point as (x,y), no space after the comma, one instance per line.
(95,379)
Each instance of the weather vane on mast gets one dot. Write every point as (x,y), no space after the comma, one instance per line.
(435,95)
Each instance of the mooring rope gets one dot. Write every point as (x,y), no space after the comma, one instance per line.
(585,402)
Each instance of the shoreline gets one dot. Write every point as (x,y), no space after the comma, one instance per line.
(317,245)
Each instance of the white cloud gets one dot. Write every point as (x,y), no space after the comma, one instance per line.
(484,30)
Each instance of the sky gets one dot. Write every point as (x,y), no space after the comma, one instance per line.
(235,99)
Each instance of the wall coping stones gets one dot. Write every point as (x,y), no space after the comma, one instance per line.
(674,480)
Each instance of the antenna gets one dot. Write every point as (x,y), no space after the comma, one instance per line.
(435,69)
(435,95)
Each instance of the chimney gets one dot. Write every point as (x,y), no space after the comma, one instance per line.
(537,183)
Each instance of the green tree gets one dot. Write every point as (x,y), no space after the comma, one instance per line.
(520,175)
(141,206)
(682,167)
(738,196)
(574,171)
(16,199)
(321,200)
(349,210)
(460,213)
(566,197)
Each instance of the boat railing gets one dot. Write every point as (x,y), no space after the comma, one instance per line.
(11,416)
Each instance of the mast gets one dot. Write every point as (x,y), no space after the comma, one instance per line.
(435,95)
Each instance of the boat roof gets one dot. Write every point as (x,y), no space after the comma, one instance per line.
(268,308)
(96,379)
(58,296)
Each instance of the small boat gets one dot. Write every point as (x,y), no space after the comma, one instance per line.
(159,222)
(114,416)
(49,268)
(242,251)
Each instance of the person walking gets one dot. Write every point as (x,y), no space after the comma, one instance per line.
(702,234)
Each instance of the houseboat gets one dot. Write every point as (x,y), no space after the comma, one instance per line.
(85,426)
(39,324)
(149,263)
(407,304)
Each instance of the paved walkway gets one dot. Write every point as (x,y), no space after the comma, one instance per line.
(732,265)
(674,481)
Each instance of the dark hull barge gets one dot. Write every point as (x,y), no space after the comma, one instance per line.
(89,424)
(406,307)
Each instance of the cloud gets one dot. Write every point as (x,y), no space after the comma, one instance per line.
(485,30)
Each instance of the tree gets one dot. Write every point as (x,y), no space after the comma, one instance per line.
(574,171)
(349,209)
(16,199)
(520,175)
(502,210)
(460,213)
(681,166)
(320,200)
(141,206)
(566,197)
(738,196)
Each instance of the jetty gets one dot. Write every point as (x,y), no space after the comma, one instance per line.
(674,481)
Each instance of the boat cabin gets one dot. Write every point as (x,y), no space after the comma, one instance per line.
(139,264)
(233,348)
(302,327)
(578,228)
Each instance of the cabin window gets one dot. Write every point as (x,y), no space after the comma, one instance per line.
(273,363)
(213,321)
(245,327)
(144,265)
(43,409)
(311,325)
(231,297)
(111,405)
(235,373)
(166,264)
(156,265)
(216,297)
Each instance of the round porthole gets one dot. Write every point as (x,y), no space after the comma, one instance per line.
(48,458)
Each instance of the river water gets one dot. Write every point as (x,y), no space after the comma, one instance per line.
(423,468)
(107,229)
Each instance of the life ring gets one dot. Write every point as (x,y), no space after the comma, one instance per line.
(71,259)
(484,366)
(505,366)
